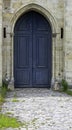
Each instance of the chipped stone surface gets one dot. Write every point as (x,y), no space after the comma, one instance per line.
(39,109)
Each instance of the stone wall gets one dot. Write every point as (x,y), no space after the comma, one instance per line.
(68,40)
(56,9)
(0,42)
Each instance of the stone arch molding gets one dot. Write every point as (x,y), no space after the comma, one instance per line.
(48,15)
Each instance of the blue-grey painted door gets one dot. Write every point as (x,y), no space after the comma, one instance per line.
(32,51)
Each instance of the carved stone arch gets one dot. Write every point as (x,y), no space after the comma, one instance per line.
(51,19)
(46,13)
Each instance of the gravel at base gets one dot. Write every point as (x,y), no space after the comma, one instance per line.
(39,109)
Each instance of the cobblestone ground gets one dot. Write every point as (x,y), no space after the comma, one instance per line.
(39,109)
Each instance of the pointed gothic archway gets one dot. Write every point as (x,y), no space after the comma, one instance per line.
(49,17)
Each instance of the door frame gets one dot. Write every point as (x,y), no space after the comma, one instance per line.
(55,29)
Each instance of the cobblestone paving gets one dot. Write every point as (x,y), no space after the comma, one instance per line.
(39,109)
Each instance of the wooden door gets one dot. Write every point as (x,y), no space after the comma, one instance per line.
(32,51)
